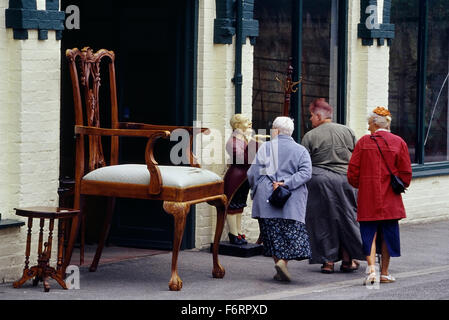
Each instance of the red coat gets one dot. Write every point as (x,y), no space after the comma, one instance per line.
(368,172)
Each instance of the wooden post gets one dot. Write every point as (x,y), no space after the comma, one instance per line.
(288,88)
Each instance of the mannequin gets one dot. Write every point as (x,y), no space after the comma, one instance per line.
(235,180)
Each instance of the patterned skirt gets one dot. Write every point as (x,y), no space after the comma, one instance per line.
(285,239)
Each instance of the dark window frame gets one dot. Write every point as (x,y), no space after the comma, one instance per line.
(342,68)
(421,168)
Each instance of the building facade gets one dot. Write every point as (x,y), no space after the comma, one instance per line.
(180,63)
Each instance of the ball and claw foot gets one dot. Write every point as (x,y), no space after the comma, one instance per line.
(175,283)
(218,272)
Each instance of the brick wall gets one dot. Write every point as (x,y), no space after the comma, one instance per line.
(425,199)
(367,85)
(3,110)
(215,107)
(29,126)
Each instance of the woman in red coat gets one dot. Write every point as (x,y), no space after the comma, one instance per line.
(379,208)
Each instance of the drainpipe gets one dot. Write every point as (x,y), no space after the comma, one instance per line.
(238,78)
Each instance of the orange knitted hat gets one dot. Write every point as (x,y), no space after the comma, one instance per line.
(382,111)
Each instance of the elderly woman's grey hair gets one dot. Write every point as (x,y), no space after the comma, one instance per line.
(284,125)
(381,121)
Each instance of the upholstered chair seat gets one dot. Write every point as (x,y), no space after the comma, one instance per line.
(172,176)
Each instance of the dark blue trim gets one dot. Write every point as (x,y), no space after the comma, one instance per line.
(430,169)
(238,77)
(224,24)
(195,60)
(8,223)
(342,73)
(22,15)
(421,76)
(224,27)
(385,31)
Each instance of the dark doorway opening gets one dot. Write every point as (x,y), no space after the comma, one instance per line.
(155,45)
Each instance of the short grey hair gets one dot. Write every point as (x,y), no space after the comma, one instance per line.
(381,121)
(285,125)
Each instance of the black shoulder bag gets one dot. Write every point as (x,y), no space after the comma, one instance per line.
(395,181)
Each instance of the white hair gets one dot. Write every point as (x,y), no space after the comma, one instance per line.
(284,125)
(381,121)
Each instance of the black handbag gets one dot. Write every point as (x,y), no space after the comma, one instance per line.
(395,182)
(279,196)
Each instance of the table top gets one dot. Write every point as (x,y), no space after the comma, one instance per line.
(46,212)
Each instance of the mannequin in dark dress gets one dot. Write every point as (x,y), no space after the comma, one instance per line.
(241,147)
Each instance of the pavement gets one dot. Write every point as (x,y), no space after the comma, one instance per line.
(422,273)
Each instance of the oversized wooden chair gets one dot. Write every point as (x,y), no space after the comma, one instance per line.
(178,187)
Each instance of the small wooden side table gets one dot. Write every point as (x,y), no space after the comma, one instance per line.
(42,271)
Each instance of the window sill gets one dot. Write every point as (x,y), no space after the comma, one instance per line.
(9,223)
(430,169)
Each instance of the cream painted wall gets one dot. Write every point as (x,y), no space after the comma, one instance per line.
(426,200)
(40,4)
(4,114)
(367,85)
(215,107)
(29,126)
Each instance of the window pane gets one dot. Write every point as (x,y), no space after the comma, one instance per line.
(436,115)
(402,71)
(274,48)
(271,54)
(319,55)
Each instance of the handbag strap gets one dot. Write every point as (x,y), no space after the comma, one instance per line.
(386,163)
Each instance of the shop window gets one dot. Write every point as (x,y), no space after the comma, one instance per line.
(418,88)
(281,31)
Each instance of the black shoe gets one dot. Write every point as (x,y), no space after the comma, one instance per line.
(243,237)
(235,239)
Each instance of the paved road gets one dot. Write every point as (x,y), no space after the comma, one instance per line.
(422,273)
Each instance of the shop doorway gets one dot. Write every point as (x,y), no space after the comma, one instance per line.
(154,43)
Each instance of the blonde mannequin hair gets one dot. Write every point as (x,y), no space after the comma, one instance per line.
(236,119)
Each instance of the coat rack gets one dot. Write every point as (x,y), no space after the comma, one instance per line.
(288,86)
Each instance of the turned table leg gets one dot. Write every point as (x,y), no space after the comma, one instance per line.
(39,248)
(27,274)
(61,231)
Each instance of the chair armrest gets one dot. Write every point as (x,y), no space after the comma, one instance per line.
(152,135)
(135,125)
(86,130)
(193,131)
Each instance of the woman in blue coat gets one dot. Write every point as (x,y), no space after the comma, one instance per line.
(281,161)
